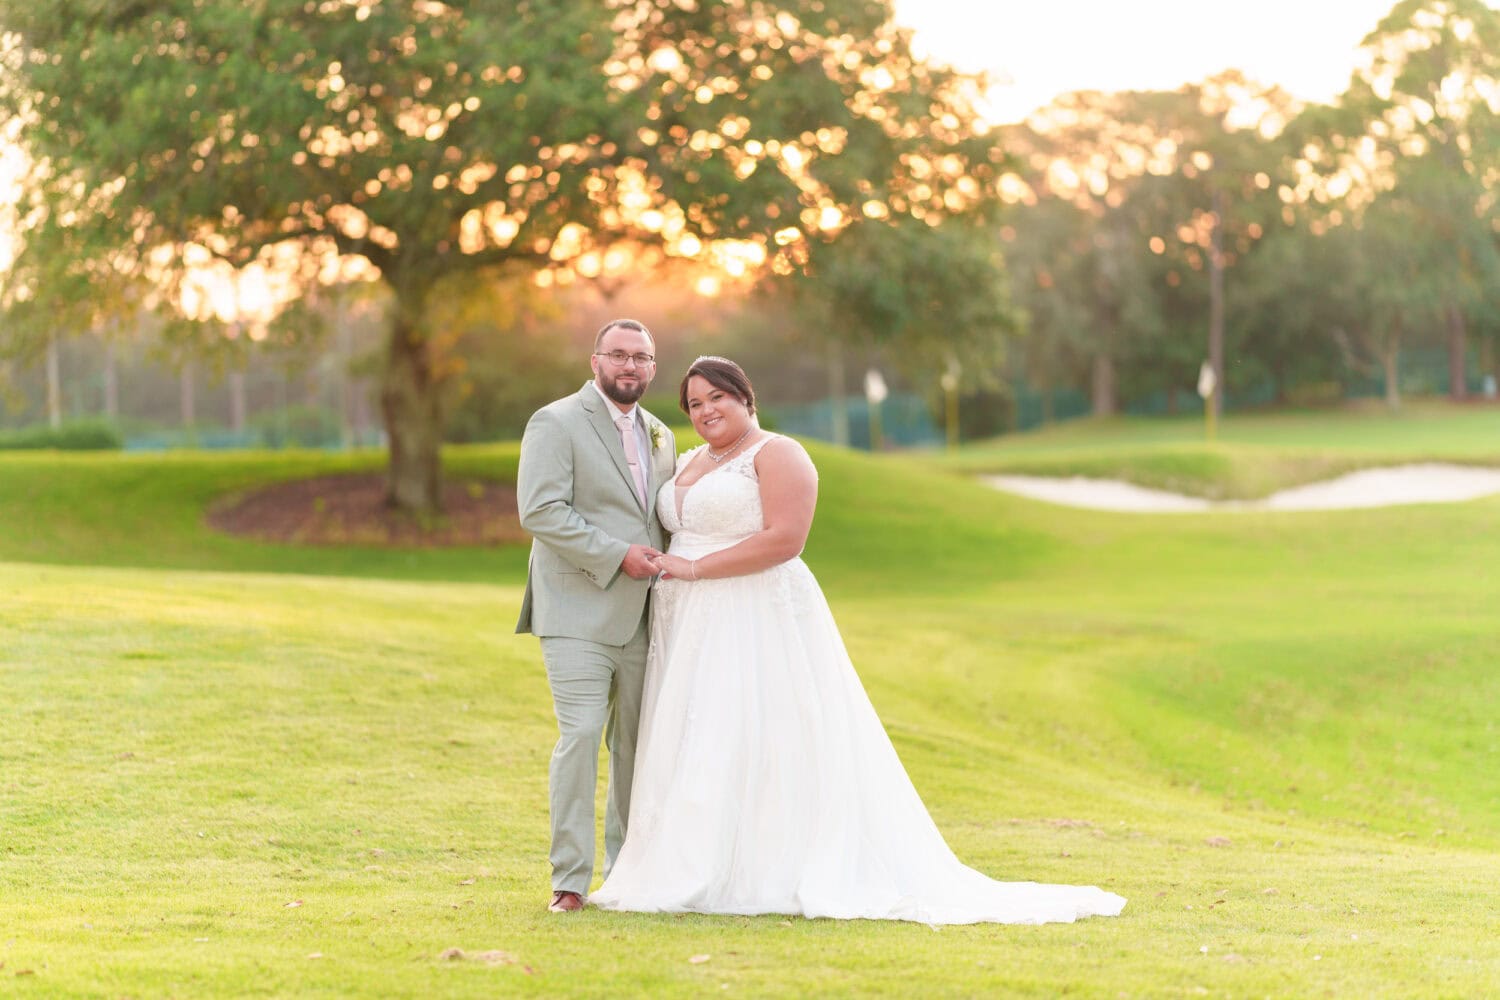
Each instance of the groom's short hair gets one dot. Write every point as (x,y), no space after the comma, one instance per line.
(629,324)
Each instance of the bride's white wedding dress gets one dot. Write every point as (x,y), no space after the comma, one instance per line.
(764,781)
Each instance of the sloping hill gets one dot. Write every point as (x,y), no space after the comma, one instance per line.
(234,769)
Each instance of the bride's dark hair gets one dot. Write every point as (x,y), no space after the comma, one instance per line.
(721,373)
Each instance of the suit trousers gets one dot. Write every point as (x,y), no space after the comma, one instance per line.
(596,692)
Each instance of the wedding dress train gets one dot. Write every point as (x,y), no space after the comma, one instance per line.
(765,782)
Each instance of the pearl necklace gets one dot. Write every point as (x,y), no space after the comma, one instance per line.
(716,459)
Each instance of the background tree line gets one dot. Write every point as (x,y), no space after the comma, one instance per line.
(1298,249)
(426,205)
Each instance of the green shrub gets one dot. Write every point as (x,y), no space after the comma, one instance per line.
(81,435)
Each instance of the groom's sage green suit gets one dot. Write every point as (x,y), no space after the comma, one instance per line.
(578,500)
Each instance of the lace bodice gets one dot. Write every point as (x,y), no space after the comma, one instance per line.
(721,507)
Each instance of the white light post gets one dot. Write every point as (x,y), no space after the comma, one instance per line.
(1207,385)
(949,382)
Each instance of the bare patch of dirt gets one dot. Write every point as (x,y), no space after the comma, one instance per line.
(350,510)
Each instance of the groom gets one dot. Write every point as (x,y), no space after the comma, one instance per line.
(586,488)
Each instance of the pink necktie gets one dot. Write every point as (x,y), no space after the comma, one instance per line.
(632,455)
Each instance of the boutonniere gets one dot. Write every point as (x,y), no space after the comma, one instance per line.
(657,437)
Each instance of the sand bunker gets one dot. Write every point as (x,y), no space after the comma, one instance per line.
(1404,484)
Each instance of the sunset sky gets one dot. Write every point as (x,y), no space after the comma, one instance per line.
(1038,50)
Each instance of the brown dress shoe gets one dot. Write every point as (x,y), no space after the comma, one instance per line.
(566,902)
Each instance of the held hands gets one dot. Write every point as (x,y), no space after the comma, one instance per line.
(676,567)
(640,562)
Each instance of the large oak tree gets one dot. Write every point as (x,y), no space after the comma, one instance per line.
(435,138)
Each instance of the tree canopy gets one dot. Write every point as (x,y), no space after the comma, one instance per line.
(1142,223)
(430,138)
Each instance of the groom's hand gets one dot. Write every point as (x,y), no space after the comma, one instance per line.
(640,562)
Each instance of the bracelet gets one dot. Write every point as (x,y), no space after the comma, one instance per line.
(694,567)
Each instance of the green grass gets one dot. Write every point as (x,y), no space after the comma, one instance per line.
(1252,455)
(1276,734)
(147,510)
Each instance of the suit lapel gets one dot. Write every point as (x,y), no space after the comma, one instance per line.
(602,420)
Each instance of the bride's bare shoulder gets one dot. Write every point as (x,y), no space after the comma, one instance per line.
(785,453)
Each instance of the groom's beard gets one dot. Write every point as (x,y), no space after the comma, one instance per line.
(623,394)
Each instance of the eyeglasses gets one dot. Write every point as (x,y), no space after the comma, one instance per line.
(618,358)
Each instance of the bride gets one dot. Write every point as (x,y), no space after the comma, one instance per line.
(764,781)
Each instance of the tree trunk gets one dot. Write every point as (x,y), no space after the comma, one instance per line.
(837,394)
(1458,355)
(111,383)
(237,402)
(185,394)
(363,419)
(1390,359)
(54,384)
(1216,306)
(345,350)
(1487,365)
(413,417)
(1103,385)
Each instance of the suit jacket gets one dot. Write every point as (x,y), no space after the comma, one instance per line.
(577,499)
